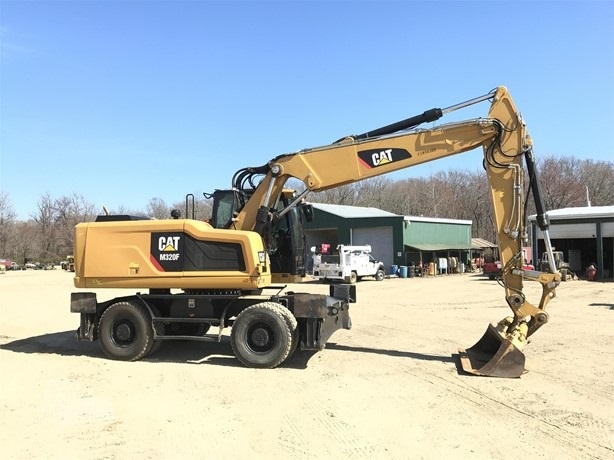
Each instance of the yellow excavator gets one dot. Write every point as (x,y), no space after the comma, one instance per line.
(222,272)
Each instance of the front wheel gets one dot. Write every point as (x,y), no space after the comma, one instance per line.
(379,276)
(261,336)
(125,331)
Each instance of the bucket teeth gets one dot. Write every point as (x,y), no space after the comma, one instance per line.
(493,355)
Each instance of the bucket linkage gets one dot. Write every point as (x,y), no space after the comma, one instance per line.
(499,352)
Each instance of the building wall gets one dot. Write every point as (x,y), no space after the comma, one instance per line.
(334,229)
(345,229)
(583,241)
(451,235)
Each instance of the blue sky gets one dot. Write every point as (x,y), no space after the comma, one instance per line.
(124,101)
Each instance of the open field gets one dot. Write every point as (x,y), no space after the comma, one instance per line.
(389,388)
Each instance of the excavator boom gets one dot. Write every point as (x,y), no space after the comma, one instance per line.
(505,142)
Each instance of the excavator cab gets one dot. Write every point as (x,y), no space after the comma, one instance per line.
(284,235)
(226,205)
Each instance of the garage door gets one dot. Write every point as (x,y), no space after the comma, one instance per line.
(380,239)
(569,231)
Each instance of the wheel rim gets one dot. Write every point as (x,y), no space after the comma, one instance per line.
(123,333)
(261,337)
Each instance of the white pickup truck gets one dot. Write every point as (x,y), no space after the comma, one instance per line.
(349,264)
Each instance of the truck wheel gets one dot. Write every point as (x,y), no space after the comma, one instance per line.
(293,325)
(353,278)
(125,331)
(380,275)
(260,336)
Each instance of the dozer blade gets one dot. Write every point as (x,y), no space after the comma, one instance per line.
(493,355)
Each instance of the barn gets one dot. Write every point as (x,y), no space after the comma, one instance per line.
(584,234)
(394,239)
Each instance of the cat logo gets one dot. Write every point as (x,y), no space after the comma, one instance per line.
(168,243)
(381,157)
(167,251)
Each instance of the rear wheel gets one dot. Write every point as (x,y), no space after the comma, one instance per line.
(293,325)
(125,331)
(261,336)
(353,278)
(379,276)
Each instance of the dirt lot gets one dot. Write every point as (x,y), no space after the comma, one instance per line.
(388,388)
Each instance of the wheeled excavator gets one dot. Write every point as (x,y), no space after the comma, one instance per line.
(230,271)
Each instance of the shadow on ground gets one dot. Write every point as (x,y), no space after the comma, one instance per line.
(193,352)
(609,306)
(172,351)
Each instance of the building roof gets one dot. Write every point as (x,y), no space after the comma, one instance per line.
(479,243)
(436,220)
(350,212)
(579,213)
(438,246)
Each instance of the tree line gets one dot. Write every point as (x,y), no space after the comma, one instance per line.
(47,236)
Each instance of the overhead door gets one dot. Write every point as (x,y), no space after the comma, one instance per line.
(380,239)
(570,231)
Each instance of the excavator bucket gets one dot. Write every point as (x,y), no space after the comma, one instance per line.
(494,355)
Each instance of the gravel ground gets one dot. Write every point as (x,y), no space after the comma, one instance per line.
(389,388)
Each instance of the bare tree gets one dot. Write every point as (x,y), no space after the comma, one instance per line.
(560,182)
(41,242)
(7,227)
(453,194)
(598,178)
(345,195)
(69,211)
(28,241)
(158,209)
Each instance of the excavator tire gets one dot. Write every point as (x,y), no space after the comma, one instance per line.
(261,336)
(125,331)
(493,356)
(293,325)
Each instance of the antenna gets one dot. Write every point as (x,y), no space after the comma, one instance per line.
(588,200)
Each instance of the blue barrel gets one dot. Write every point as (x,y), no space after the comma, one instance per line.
(394,269)
(403,271)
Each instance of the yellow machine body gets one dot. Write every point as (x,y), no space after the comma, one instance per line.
(168,254)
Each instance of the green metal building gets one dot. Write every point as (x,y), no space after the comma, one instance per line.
(394,239)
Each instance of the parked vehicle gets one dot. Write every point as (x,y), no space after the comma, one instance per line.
(494,269)
(68,264)
(349,264)
(559,263)
(5,264)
